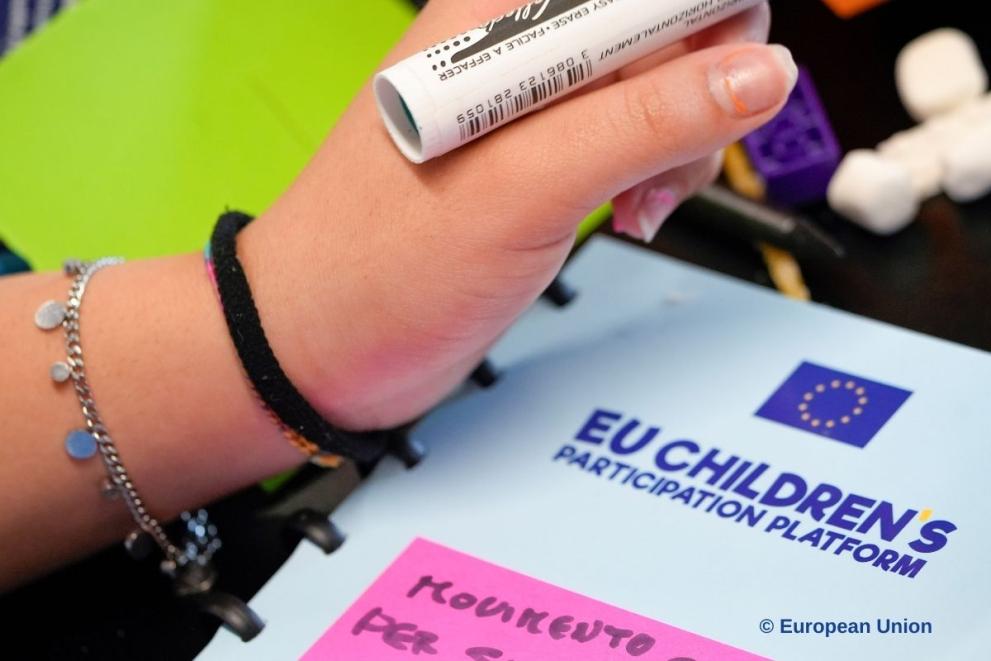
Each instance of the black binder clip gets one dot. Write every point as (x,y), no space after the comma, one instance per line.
(194,582)
(559,293)
(485,375)
(196,578)
(314,526)
(236,616)
(193,578)
(406,449)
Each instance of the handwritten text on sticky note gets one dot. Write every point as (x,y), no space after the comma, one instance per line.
(435,602)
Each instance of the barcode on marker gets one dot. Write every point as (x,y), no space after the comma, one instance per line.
(520,103)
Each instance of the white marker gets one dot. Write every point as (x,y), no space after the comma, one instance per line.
(473,83)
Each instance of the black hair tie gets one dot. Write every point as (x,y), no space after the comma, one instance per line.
(259,361)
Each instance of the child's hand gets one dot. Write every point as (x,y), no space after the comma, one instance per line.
(382,283)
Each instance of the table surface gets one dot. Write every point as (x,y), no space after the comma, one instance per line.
(932,278)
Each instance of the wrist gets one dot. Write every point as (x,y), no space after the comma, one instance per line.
(342,332)
(312,325)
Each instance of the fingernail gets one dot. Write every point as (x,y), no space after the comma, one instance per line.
(754,80)
(759,24)
(656,207)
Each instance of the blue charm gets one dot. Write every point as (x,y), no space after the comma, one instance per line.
(80,444)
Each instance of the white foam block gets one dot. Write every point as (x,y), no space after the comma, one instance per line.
(923,149)
(874,192)
(978,110)
(917,150)
(967,166)
(938,72)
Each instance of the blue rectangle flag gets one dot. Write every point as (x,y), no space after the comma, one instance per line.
(837,405)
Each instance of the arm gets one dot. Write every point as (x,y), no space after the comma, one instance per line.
(380,285)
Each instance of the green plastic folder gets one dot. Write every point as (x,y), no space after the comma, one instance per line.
(126,126)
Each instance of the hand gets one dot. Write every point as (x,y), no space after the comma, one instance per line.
(381,284)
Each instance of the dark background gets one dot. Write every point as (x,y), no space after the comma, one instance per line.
(933,277)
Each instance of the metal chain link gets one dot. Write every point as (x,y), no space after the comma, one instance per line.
(118,474)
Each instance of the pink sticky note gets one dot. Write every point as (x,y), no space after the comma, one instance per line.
(436,603)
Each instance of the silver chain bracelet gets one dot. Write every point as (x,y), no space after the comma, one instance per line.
(201,541)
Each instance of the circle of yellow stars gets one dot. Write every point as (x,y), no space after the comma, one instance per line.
(835,384)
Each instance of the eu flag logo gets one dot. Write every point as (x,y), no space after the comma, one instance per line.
(843,407)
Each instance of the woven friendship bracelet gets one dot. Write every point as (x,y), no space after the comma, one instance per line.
(270,382)
(312,451)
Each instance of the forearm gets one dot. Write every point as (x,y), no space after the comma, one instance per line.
(169,386)
(378,284)
(167,381)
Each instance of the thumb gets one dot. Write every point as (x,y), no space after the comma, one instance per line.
(597,145)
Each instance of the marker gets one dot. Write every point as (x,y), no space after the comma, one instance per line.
(471,84)
(784,269)
(726,211)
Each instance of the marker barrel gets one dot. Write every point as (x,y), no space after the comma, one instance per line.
(471,84)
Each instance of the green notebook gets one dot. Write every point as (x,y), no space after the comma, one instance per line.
(127,126)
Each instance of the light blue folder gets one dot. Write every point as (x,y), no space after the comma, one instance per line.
(696,355)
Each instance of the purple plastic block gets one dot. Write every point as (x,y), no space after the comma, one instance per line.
(796,152)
